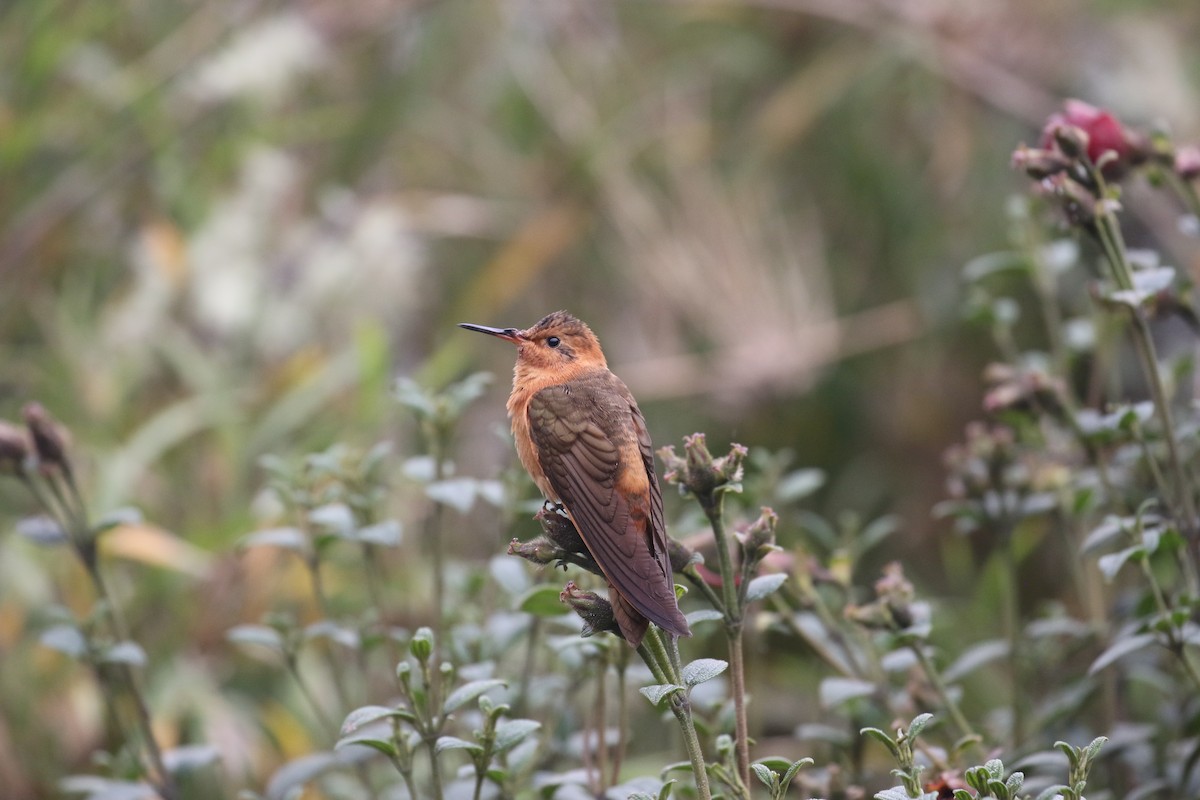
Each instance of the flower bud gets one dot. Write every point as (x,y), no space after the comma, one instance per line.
(698,472)
(595,611)
(1187,162)
(538,551)
(14,449)
(50,439)
(421,645)
(560,530)
(1038,164)
(1072,141)
(758,540)
(681,555)
(1101,133)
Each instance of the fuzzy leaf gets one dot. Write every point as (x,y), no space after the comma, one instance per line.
(384,534)
(287,538)
(1111,564)
(543,601)
(919,724)
(835,691)
(764,586)
(703,669)
(66,639)
(365,716)
(337,518)
(189,757)
(766,776)
(42,530)
(445,743)
(458,493)
(327,629)
(704,615)
(659,692)
(974,657)
(130,653)
(96,787)
(385,746)
(883,739)
(1123,646)
(261,635)
(511,732)
(799,484)
(468,692)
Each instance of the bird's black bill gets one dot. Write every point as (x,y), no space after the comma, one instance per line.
(508,334)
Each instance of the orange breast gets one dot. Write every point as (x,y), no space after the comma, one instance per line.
(518,410)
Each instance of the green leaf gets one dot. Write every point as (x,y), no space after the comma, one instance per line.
(383,534)
(385,746)
(836,691)
(766,776)
(1092,750)
(42,530)
(96,787)
(875,532)
(189,757)
(776,763)
(366,715)
(799,484)
(511,732)
(287,538)
(1051,792)
(764,586)
(987,264)
(794,770)
(337,518)
(1111,564)
(704,615)
(261,635)
(66,639)
(468,692)
(130,653)
(445,743)
(883,739)
(1122,647)
(703,669)
(974,657)
(543,601)
(919,724)
(458,493)
(126,515)
(659,692)
(328,629)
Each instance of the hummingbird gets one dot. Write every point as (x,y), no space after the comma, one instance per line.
(582,438)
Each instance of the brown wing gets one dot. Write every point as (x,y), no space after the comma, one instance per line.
(589,441)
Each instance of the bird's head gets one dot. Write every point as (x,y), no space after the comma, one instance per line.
(559,345)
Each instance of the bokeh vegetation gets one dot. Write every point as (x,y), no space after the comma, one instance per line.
(228,229)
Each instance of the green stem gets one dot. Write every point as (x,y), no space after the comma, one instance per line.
(1012,626)
(622,713)
(435,768)
(713,506)
(682,709)
(939,686)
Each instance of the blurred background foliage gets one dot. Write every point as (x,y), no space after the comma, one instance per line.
(225,228)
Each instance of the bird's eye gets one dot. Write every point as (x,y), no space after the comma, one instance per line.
(553,341)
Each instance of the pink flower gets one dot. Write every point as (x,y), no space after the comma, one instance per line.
(1103,132)
(1187,162)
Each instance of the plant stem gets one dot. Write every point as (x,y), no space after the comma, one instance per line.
(939,686)
(601,731)
(622,662)
(682,709)
(435,768)
(713,506)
